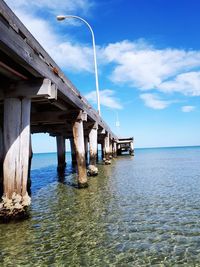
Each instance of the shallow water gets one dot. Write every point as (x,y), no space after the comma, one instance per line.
(141,211)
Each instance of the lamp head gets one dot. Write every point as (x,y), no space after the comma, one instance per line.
(61,17)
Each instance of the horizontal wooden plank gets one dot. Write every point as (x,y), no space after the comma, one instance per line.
(32,89)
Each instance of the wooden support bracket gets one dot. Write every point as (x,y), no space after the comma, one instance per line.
(32,89)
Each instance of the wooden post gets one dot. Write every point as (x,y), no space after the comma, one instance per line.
(119,152)
(114,149)
(29,166)
(73,153)
(131,151)
(78,134)
(60,140)
(86,148)
(103,150)
(1,161)
(110,149)
(97,152)
(16,146)
(107,149)
(92,169)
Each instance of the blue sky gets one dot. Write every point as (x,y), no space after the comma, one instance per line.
(148,54)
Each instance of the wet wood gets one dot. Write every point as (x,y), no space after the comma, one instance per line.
(92,169)
(102,150)
(114,149)
(16,145)
(110,149)
(29,166)
(61,150)
(73,153)
(78,135)
(107,149)
(86,148)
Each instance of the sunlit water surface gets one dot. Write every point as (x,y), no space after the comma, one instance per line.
(141,211)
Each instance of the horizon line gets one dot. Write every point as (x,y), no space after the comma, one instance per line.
(156,147)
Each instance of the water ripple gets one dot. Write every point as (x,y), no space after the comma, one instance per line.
(141,211)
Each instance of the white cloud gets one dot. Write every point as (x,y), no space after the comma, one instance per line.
(187,108)
(142,66)
(53,6)
(107,99)
(153,101)
(185,83)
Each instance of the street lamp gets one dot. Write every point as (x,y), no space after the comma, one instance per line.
(59,18)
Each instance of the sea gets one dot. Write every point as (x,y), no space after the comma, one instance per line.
(139,211)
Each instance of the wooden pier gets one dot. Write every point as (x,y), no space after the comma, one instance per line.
(125,145)
(36,97)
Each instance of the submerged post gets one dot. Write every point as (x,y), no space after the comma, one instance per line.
(110,149)
(86,148)
(80,150)
(73,153)
(114,149)
(16,148)
(92,169)
(29,166)
(107,149)
(103,151)
(60,140)
(131,151)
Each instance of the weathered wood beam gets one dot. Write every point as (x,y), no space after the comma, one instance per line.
(56,116)
(86,147)
(61,150)
(114,149)
(10,72)
(107,149)
(78,134)
(110,148)
(73,153)
(131,151)
(49,116)
(16,145)
(92,168)
(103,151)
(29,166)
(32,89)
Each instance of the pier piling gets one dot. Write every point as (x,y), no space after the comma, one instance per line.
(107,149)
(92,168)
(79,144)
(114,149)
(60,140)
(86,148)
(16,147)
(73,152)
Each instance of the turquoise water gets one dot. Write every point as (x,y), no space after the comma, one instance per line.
(141,211)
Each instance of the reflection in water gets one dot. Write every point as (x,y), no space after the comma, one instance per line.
(141,211)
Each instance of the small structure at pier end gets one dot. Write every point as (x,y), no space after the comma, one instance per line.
(36,97)
(125,145)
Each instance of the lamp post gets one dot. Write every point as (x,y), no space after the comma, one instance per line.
(59,18)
